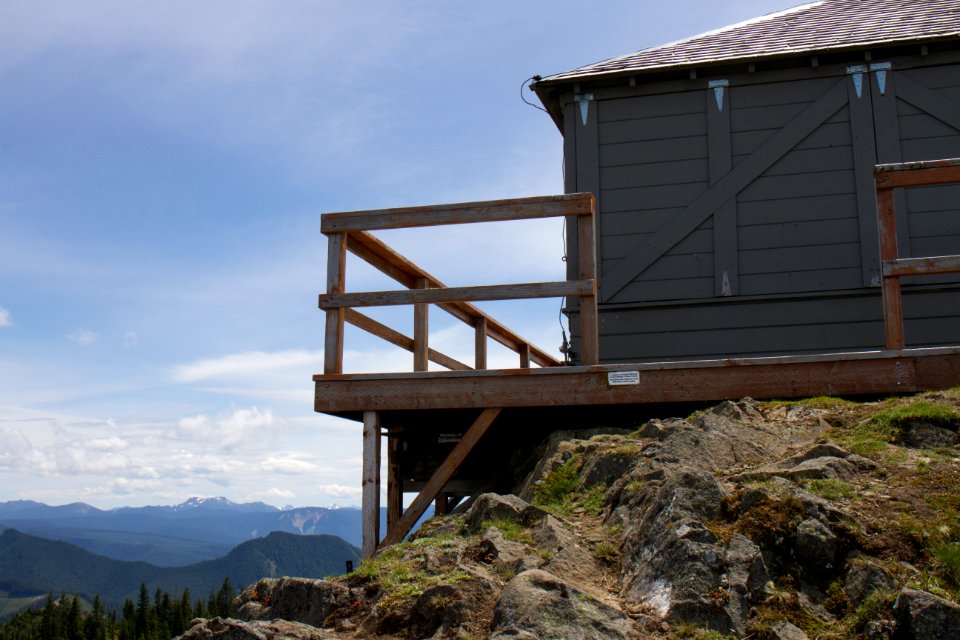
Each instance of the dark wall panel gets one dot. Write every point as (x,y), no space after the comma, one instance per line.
(799,245)
(769,327)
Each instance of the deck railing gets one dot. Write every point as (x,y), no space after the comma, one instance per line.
(350,231)
(888,178)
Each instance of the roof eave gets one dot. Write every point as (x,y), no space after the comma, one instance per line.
(566,79)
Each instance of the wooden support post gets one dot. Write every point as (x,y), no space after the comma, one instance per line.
(587,264)
(440,477)
(370,514)
(421,346)
(394,482)
(892,300)
(480,343)
(440,504)
(333,336)
(524,352)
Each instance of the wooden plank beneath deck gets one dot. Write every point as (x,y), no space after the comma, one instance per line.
(692,381)
(440,477)
(580,204)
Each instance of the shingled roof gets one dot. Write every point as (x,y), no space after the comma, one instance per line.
(828,25)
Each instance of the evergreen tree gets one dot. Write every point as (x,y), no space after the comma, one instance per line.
(223,601)
(143,610)
(95,624)
(72,624)
(128,621)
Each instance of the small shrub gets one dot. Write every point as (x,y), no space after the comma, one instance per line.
(591,501)
(947,557)
(554,488)
(606,552)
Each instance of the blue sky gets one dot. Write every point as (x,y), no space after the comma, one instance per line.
(163,167)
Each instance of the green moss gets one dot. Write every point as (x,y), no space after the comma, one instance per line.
(947,557)
(692,632)
(818,402)
(892,421)
(636,486)
(399,573)
(830,488)
(627,449)
(554,488)
(771,521)
(510,530)
(591,501)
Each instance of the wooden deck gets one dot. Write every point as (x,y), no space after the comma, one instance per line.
(840,374)
(455,433)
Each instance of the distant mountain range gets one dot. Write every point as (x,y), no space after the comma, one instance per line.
(178,535)
(29,564)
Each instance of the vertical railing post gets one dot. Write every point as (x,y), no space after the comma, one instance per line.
(333,336)
(587,268)
(524,351)
(370,496)
(480,343)
(421,346)
(892,298)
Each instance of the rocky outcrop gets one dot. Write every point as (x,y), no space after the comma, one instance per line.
(924,615)
(228,629)
(728,521)
(537,604)
(296,599)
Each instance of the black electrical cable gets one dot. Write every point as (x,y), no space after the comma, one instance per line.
(524,84)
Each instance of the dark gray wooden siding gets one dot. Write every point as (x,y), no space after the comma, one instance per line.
(740,218)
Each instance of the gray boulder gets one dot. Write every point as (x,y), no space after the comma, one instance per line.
(863,577)
(538,605)
(817,547)
(229,629)
(820,462)
(787,631)
(490,506)
(924,616)
(294,599)
(923,435)
(674,566)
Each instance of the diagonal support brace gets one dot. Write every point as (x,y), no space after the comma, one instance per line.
(441,476)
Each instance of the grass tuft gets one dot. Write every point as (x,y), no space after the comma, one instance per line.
(559,483)
(830,488)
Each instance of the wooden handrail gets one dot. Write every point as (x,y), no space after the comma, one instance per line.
(452,294)
(572,204)
(348,231)
(897,176)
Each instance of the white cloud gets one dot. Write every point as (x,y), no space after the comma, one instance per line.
(83,337)
(5,319)
(229,430)
(272,494)
(246,365)
(288,465)
(130,339)
(339,491)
